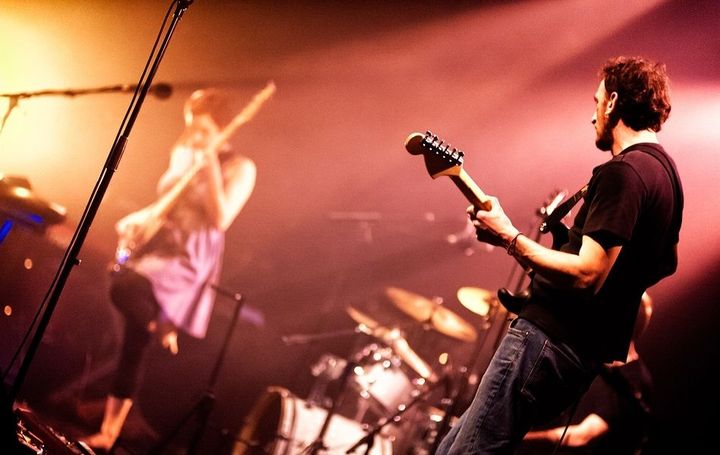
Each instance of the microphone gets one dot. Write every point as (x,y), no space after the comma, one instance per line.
(161,90)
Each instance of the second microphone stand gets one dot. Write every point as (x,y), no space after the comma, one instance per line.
(204,406)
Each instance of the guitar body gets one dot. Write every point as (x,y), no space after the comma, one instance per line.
(136,230)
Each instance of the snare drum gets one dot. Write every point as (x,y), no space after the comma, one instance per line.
(380,377)
(281,423)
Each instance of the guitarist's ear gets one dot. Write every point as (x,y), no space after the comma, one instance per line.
(611,103)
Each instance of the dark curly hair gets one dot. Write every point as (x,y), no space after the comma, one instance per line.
(643,91)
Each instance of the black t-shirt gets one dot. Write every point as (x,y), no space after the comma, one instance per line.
(632,201)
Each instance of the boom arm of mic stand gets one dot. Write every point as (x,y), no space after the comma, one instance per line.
(300,338)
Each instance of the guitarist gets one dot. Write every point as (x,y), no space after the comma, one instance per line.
(164,285)
(584,295)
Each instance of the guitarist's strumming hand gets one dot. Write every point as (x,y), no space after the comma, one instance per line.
(492,226)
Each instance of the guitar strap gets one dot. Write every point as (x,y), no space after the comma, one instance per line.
(657,153)
(563,209)
(654,151)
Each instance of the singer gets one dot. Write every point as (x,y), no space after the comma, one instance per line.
(584,296)
(170,252)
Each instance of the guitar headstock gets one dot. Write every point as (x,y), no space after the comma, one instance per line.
(440,158)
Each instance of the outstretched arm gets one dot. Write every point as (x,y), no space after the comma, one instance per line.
(592,427)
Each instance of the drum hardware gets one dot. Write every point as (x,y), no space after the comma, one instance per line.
(318,444)
(282,424)
(369,439)
(432,313)
(394,338)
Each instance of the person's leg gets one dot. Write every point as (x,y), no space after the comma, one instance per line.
(132,295)
(118,403)
(528,380)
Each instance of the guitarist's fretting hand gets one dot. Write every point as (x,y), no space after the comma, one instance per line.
(492,226)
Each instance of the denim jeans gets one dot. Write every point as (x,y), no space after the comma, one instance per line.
(530,380)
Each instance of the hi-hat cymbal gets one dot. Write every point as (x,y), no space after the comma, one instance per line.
(477,300)
(432,312)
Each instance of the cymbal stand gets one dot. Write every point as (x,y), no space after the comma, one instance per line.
(205,404)
(369,439)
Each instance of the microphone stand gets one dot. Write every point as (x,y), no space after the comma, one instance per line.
(204,406)
(70,258)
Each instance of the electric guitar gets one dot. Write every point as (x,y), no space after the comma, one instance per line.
(138,228)
(443,160)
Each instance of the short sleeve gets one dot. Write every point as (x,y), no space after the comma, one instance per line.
(617,193)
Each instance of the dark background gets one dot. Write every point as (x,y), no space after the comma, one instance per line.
(510,83)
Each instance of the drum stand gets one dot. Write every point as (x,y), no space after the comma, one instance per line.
(204,406)
(369,439)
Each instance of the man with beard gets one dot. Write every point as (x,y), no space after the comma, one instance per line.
(584,295)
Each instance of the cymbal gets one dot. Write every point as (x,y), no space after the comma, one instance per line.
(394,339)
(362,318)
(425,310)
(477,300)
(18,200)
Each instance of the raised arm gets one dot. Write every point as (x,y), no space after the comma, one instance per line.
(228,193)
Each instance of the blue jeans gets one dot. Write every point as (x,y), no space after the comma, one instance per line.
(530,380)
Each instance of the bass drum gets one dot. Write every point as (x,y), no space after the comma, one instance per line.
(282,424)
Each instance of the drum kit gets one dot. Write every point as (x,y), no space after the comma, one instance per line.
(387,399)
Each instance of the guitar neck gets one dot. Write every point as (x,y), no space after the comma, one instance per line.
(471,190)
(244,116)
